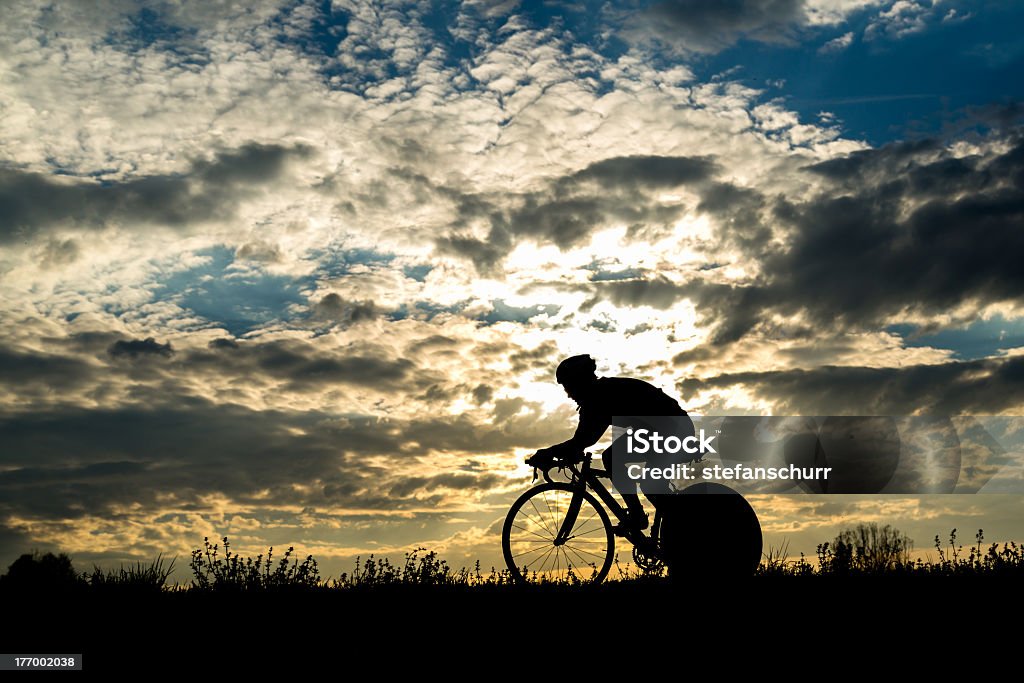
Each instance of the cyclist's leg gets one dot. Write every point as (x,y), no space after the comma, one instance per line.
(658,490)
(632,500)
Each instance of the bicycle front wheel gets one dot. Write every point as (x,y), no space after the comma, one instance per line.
(531,527)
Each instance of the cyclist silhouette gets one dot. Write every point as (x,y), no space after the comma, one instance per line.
(602,401)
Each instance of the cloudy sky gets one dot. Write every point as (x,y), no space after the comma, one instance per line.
(299,272)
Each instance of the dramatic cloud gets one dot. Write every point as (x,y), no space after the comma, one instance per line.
(208,190)
(303,270)
(905,230)
(605,193)
(981,387)
(140,347)
(709,27)
(333,307)
(837,44)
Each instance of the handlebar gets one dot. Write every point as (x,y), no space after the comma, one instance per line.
(545,465)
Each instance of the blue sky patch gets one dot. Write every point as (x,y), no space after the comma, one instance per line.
(611,275)
(502,312)
(978,340)
(888,88)
(418,272)
(237,299)
(332,262)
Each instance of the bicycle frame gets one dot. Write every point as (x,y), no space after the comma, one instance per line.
(581,477)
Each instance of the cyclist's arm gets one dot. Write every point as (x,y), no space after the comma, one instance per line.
(589,431)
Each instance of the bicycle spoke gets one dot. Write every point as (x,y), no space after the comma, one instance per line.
(581,532)
(583,560)
(579,514)
(532,550)
(570,564)
(544,538)
(540,516)
(582,528)
(538,522)
(554,522)
(558,512)
(593,515)
(544,558)
(587,570)
(587,552)
(531,542)
(577,528)
(539,560)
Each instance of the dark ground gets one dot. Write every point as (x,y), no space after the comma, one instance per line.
(498,632)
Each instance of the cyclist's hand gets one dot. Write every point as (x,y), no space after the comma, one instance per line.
(542,459)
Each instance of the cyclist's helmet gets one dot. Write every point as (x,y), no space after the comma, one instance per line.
(576,369)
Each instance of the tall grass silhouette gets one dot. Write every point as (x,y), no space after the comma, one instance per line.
(866,550)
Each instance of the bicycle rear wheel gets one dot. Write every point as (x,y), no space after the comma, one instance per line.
(532,524)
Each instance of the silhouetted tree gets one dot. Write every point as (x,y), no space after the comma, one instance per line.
(35,572)
(870,547)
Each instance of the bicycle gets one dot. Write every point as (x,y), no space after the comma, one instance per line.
(539,544)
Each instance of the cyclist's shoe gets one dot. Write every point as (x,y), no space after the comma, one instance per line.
(634,522)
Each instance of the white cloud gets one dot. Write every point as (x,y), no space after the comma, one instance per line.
(907,17)
(837,44)
(833,12)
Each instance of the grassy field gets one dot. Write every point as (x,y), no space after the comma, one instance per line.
(254,611)
(867,551)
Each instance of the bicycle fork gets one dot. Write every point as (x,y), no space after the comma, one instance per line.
(573,512)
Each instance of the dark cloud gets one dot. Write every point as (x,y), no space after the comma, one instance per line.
(433,342)
(486,255)
(543,357)
(208,190)
(448,480)
(731,309)
(611,191)
(914,233)
(301,366)
(567,221)
(482,394)
(76,462)
(981,387)
(700,26)
(58,252)
(740,215)
(259,251)
(902,229)
(657,292)
(893,158)
(32,371)
(135,348)
(333,307)
(94,342)
(306,368)
(68,463)
(644,172)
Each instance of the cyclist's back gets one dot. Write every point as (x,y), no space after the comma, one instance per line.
(624,397)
